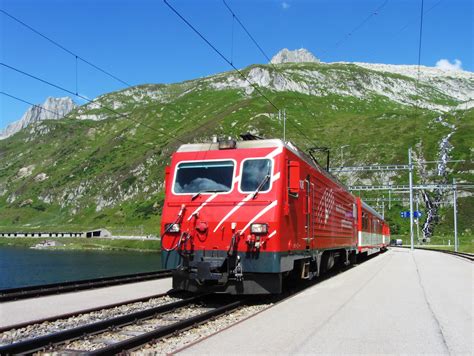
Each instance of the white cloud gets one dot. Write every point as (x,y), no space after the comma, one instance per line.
(447,65)
(285,5)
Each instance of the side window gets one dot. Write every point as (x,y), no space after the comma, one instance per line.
(256,173)
(365,222)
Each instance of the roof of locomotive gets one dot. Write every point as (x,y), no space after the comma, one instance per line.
(192,147)
(264,143)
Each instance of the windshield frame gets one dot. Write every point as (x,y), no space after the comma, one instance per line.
(175,174)
(270,178)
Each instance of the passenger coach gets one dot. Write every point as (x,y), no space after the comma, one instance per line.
(239,217)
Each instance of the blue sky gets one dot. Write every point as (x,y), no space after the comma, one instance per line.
(142,41)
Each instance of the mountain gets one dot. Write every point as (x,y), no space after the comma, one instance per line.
(301,55)
(97,167)
(51,109)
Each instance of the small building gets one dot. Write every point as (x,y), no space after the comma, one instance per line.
(98,233)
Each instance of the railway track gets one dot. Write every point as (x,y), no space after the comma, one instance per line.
(128,331)
(468,256)
(150,327)
(64,287)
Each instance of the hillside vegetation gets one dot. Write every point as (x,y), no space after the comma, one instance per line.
(95,168)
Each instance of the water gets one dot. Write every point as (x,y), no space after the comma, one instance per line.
(23,266)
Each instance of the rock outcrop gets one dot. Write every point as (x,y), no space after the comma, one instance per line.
(51,109)
(297,56)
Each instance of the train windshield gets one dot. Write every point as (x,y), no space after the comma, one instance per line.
(201,177)
(254,173)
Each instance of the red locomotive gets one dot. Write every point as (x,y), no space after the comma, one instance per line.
(239,217)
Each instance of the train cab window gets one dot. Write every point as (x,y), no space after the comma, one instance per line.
(256,173)
(205,176)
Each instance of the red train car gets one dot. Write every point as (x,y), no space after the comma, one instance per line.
(239,217)
(373,232)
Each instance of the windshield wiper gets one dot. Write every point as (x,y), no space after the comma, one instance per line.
(206,191)
(261,185)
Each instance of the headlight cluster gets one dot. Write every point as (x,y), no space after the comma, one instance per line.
(172,228)
(259,229)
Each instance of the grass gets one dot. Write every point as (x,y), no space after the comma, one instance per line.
(446,242)
(110,173)
(86,244)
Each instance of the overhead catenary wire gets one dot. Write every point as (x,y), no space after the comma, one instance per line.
(234,16)
(221,55)
(214,48)
(76,57)
(232,41)
(58,115)
(420,39)
(425,13)
(356,28)
(246,31)
(88,100)
(57,44)
(418,74)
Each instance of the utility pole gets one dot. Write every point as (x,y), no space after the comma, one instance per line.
(284,125)
(456,242)
(417,220)
(410,182)
(390,199)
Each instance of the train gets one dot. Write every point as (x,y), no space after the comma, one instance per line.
(243,216)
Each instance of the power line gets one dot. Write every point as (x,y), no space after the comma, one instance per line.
(138,143)
(88,100)
(228,61)
(220,54)
(65,49)
(418,74)
(358,26)
(246,31)
(420,38)
(234,16)
(425,13)
(27,102)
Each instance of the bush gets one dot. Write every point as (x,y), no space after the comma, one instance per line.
(146,209)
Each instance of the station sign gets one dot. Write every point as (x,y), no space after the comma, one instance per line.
(406,214)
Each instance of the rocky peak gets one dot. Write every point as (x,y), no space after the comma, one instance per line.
(51,109)
(297,56)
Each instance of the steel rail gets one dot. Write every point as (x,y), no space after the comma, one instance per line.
(83,311)
(33,345)
(137,341)
(466,255)
(63,287)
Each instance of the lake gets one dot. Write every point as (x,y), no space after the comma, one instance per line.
(21,266)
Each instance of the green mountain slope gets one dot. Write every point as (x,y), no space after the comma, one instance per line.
(96,168)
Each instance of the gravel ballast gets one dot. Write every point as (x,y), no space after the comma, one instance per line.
(36,330)
(183,339)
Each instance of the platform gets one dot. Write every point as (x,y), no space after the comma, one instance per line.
(400,302)
(27,310)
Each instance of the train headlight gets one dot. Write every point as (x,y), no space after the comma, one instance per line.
(259,229)
(173,228)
